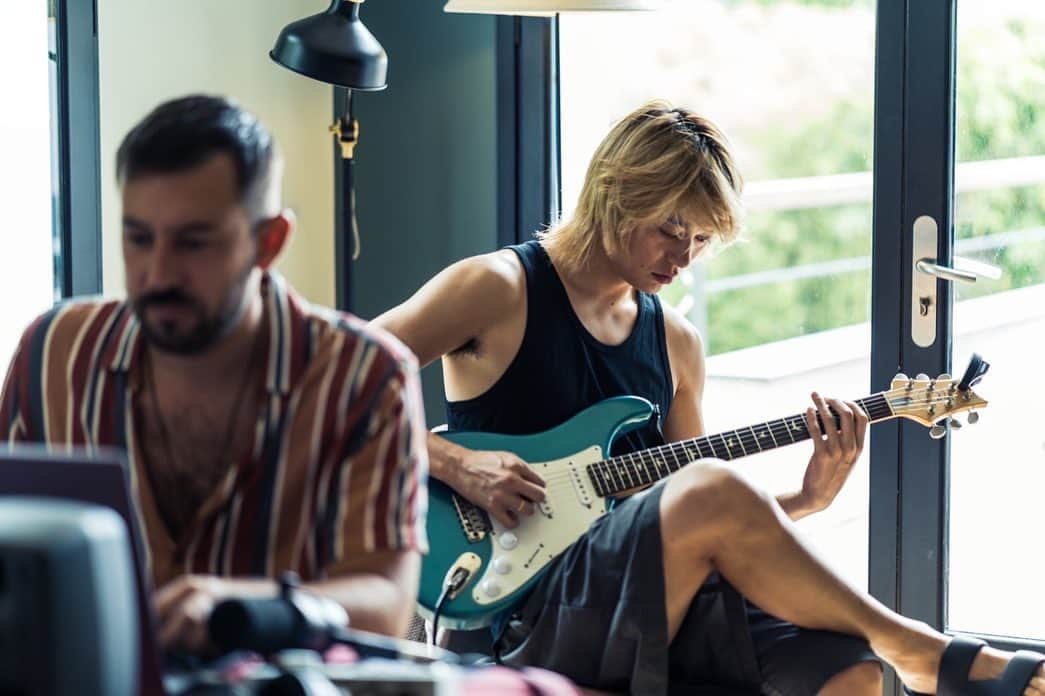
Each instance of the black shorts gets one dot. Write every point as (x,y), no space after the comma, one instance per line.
(597,616)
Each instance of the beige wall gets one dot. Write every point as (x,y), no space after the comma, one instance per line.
(151,50)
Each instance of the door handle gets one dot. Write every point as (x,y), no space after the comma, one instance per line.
(964,270)
(925,270)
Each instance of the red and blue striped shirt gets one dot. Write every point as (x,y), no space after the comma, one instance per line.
(338,465)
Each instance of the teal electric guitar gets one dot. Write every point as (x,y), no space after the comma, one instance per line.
(477,569)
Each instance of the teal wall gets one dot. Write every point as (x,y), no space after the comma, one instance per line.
(426,166)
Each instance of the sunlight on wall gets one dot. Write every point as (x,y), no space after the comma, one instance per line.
(150,51)
(26,266)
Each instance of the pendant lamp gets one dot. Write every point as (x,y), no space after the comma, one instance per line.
(335,47)
(549,7)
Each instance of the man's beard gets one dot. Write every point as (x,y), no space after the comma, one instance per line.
(206,331)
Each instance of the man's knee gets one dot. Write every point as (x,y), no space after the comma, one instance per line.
(862,678)
(710,492)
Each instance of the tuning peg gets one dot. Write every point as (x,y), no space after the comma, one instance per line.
(901,376)
(954,423)
(922,377)
(974,418)
(937,431)
(943,378)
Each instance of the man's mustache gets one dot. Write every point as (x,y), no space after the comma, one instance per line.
(164,297)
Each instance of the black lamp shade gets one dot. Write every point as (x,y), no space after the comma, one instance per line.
(334,47)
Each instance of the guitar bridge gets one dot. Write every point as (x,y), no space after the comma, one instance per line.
(474,522)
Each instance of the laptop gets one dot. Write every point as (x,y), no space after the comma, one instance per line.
(99,478)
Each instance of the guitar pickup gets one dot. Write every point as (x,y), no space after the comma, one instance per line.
(580,487)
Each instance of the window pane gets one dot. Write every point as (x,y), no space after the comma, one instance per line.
(997,472)
(791,84)
(27,264)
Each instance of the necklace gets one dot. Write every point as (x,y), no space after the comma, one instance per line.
(177,517)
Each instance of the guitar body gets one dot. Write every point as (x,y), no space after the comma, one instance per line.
(497,566)
(504,564)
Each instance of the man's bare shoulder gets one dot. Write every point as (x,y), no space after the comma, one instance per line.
(494,280)
(685,350)
(681,333)
(459,306)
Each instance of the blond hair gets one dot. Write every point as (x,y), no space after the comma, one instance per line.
(656,162)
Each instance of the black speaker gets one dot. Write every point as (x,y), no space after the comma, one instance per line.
(68,603)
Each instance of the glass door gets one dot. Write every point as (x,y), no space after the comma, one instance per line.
(786,312)
(998,467)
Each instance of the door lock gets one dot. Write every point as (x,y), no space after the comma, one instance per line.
(925,271)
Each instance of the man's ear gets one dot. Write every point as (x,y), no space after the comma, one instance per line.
(272,237)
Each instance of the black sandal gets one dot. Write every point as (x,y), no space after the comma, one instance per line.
(954,671)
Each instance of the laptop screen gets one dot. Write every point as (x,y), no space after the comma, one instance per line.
(99,478)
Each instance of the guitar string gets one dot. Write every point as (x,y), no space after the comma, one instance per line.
(779,427)
(626,468)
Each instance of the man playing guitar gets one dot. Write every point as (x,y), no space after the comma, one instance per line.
(531,335)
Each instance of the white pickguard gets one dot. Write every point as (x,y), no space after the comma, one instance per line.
(569,508)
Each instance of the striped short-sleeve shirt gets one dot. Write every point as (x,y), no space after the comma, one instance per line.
(338,465)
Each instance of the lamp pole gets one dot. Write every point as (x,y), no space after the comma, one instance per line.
(346,231)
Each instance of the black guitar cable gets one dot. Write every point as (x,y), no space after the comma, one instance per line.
(453,584)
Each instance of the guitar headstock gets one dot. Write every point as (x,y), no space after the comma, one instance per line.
(930,401)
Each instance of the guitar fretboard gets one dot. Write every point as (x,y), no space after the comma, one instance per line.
(637,469)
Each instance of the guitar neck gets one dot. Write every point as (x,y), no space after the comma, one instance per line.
(637,469)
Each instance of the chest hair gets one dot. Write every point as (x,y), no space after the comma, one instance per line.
(190,463)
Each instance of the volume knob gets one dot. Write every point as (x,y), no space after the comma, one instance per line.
(502,566)
(491,588)
(508,541)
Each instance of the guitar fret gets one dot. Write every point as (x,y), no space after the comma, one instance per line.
(623,465)
(645,467)
(678,462)
(615,477)
(628,469)
(728,454)
(663,463)
(737,437)
(770,429)
(754,436)
(594,472)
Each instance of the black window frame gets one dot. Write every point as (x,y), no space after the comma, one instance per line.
(78,208)
(528,159)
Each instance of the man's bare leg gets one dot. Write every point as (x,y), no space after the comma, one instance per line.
(864,679)
(712,518)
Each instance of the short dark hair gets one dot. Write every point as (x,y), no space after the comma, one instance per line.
(183,133)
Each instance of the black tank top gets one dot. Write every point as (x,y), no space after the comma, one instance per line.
(561,369)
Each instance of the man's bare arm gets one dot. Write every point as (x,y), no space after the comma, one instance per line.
(377,590)
(455,308)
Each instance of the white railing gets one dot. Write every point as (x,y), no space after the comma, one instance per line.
(843,189)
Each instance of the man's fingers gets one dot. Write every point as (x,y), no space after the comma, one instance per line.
(504,516)
(845,421)
(528,490)
(814,428)
(175,625)
(522,468)
(171,595)
(861,421)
